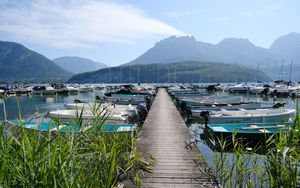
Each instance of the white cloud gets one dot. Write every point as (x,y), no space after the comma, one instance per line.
(267,10)
(221,20)
(71,23)
(178,14)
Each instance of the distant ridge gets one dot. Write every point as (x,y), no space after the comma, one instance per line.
(187,72)
(231,50)
(76,64)
(18,63)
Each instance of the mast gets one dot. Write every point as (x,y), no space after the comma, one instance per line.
(280,70)
(291,70)
(109,74)
(120,74)
(138,69)
(158,73)
(175,75)
(168,73)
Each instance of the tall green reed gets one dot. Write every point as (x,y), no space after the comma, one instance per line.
(278,166)
(88,158)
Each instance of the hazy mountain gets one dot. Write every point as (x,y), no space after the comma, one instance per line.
(187,72)
(78,64)
(242,51)
(17,63)
(176,49)
(231,50)
(287,47)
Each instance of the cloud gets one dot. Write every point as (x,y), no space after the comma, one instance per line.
(178,14)
(267,10)
(71,23)
(221,20)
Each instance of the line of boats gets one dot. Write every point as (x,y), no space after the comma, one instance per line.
(49,89)
(122,110)
(279,88)
(224,116)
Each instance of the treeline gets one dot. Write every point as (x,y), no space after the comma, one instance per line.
(183,72)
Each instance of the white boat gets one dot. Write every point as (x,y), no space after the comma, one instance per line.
(87,116)
(239,88)
(72,90)
(196,110)
(115,109)
(84,89)
(256,89)
(279,115)
(43,90)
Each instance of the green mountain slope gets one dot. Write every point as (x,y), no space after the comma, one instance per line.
(78,64)
(17,63)
(190,71)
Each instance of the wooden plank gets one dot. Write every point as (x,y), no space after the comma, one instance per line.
(163,136)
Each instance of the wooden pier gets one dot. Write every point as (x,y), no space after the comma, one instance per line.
(164,137)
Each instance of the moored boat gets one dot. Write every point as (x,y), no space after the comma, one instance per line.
(248,134)
(69,127)
(196,110)
(43,90)
(86,116)
(278,115)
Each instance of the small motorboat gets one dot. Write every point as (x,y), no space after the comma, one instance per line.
(247,134)
(278,115)
(129,109)
(87,116)
(69,127)
(197,109)
(43,90)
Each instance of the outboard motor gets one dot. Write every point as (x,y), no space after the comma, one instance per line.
(183,106)
(265,91)
(141,113)
(274,94)
(148,102)
(78,101)
(205,117)
(278,105)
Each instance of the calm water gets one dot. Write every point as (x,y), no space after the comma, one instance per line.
(29,105)
(195,131)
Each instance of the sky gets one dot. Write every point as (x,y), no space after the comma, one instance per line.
(117,31)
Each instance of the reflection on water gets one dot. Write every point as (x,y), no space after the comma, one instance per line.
(265,101)
(29,105)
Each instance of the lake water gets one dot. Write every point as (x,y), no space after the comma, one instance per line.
(29,105)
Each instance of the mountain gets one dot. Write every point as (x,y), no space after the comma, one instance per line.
(175,49)
(187,72)
(78,64)
(231,50)
(287,47)
(18,63)
(242,51)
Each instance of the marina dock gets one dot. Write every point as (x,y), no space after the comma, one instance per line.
(166,138)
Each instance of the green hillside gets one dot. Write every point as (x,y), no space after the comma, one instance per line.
(173,72)
(17,63)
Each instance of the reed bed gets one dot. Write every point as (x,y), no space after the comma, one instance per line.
(278,166)
(88,158)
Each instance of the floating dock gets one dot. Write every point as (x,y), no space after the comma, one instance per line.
(166,138)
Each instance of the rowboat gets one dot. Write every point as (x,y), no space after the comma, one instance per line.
(197,109)
(249,134)
(69,127)
(87,116)
(125,109)
(279,115)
